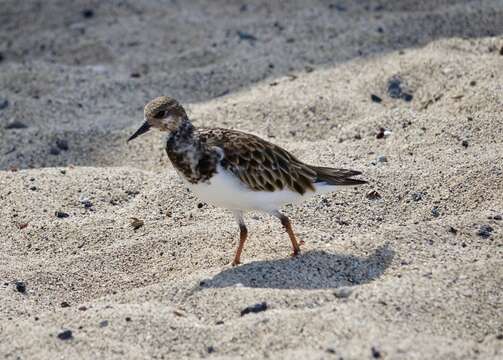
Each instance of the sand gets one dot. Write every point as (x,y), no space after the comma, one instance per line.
(409,266)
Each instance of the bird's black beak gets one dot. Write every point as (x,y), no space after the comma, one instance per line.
(142,130)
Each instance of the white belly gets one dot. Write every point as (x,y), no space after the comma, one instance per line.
(225,190)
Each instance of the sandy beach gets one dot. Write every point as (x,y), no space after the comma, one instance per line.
(409,266)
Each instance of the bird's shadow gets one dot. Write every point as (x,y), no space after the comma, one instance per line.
(311,270)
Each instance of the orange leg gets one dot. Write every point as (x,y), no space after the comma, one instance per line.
(288,227)
(243,234)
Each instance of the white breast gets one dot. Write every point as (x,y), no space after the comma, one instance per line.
(225,190)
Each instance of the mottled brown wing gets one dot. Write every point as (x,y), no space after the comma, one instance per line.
(261,165)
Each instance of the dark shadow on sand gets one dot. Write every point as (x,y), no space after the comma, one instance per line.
(311,270)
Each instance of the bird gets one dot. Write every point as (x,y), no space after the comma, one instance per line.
(239,171)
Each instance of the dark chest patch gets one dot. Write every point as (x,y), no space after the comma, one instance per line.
(191,157)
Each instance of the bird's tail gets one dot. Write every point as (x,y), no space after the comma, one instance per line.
(333,176)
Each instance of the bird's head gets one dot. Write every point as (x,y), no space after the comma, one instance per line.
(163,113)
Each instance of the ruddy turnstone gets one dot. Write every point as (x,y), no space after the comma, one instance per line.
(236,170)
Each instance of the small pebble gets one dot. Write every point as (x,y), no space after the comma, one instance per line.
(136,223)
(246,36)
(85,201)
(16,124)
(464,143)
(103,323)
(65,335)
(453,230)
(61,214)
(64,304)
(417,196)
(382,159)
(373,195)
(485,231)
(82,308)
(435,212)
(3,103)
(376,354)
(62,144)
(375,98)
(395,87)
(88,13)
(200,205)
(128,319)
(54,150)
(20,287)
(343,292)
(407,97)
(330,350)
(254,308)
(497,217)
(135,75)
(210,349)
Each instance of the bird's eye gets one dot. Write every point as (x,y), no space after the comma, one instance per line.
(160,114)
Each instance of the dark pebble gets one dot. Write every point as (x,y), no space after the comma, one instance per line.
(82,308)
(395,87)
(65,335)
(435,212)
(3,103)
(88,13)
(380,30)
(407,97)
(375,98)
(54,150)
(380,133)
(219,322)
(254,308)
(343,292)
(473,83)
(16,124)
(61,214)
(373,195)
(464,143)
(2,57)
(103,323)
(64,304)
(135,75)
(62,144)
(453,230)
(417,196)
(20,287)
(337,7)
(501,51)
(210,349)
(246,36)
(128,319)
(33,188)
(330,350)
(485,231)
(499,336)
(497,217)
(376,354)
(200,205)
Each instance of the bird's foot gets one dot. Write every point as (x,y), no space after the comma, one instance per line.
(235,263)
(295,252)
